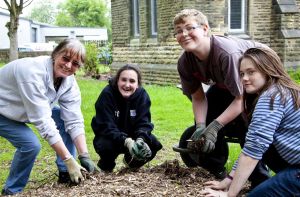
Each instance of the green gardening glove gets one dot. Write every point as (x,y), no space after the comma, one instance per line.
(210,135)
(138,149)
(87,163)
(143,151)
(74,170)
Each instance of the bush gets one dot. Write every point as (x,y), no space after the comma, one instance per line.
(91,63)
(105,54)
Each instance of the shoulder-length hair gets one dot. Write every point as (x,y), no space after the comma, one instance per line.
(135,68)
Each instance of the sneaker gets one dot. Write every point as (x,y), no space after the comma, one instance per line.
(63,177)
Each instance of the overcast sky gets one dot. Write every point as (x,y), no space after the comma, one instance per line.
(27,9)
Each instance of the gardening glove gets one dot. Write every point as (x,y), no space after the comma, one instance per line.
(87,163)
(196,142)
(144,151)
(210,136)
(130,145)
(198,132)
(138,149)
(74,170)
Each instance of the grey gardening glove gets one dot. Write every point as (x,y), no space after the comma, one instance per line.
(195,143)
(198,132)
(87,163)
(74,170)
(210,135)
(138,149)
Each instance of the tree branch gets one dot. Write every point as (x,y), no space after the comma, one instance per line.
(27,3)
(7,4)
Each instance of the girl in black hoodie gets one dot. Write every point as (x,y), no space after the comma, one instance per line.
(122,123)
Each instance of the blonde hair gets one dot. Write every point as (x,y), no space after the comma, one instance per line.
(198,16)
(75,47)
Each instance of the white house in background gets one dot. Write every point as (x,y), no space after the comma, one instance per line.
(32,33)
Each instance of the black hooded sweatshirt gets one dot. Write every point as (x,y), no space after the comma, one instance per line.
(118,118)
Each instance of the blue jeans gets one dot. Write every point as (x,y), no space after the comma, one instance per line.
(27,147)
(285,183)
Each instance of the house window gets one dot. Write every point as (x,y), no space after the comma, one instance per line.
(236,15)
(135,18)
(153,17)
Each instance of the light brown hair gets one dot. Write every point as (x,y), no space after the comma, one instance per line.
(198,16)
(268,62)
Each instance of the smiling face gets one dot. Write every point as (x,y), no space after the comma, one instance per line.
(66,64)
(127,83)
(190,35)
(253,80)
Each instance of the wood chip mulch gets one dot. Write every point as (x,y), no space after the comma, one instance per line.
(167,179)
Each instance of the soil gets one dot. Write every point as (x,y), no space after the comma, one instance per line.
(167,179)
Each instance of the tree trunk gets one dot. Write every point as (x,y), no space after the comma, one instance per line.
(13,40)
(12,27)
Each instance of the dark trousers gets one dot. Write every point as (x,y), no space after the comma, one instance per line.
(286,182)
(218,100)
(109,150)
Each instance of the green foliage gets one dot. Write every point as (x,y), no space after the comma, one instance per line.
(83,13)
(105,54)
(91,62)
(43,11)
(295,74)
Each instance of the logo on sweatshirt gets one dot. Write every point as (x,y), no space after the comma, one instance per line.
(117,113)
(132,113)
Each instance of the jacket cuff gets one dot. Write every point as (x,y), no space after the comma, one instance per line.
(54,139)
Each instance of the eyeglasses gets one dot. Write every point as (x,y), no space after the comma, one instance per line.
(189,29)
(67,59)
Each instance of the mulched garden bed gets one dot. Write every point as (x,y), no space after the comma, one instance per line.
(167,179)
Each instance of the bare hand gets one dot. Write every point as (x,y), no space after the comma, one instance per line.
(218,185)
(207,192)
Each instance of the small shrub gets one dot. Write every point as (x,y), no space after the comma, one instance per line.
(91,63)
(105,54)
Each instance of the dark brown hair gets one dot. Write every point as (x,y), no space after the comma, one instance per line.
(135,68)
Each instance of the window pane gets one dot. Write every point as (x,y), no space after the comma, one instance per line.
(235,14)
(135,17)
(153,12)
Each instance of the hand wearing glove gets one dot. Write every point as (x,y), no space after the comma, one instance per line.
(138,149)
(144,151)
(195,142)
(198,132)
(74,170)
(87,163)
(210,135)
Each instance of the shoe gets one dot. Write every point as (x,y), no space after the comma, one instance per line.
(6,192)
(220,174)
(63,177)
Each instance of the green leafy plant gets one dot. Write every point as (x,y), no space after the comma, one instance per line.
(91,63)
